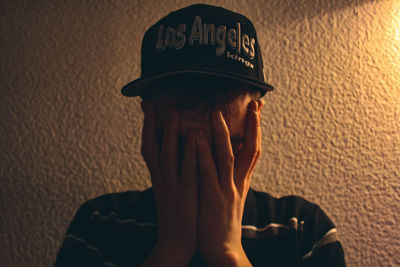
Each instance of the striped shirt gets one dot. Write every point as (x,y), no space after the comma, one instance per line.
(121,230)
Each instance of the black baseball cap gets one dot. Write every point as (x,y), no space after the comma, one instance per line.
(201,40)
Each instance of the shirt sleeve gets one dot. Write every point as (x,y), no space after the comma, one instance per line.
(328,255)
(117,229)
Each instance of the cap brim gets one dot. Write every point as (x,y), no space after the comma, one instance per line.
(137,87)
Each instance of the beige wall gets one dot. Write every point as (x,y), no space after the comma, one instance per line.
(331,130)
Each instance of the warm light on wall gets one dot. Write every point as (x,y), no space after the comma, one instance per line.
(396,23)
(396,30)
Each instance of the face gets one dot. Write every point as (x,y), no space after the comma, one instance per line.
(235,114)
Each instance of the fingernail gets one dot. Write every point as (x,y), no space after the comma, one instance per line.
(220,115)
(202,134)
(217,114)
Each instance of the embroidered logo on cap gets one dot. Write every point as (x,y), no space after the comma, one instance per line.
(209,35)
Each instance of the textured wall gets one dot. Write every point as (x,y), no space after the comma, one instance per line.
(331,129)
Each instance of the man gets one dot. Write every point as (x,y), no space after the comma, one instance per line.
(202,80)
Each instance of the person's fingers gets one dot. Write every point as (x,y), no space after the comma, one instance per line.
(244,184)
(253,164)
(251,148)
(208,172)
(224,154)
(188,177)
(149,147)
(169,150)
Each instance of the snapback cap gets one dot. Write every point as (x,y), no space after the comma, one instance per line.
(203,40)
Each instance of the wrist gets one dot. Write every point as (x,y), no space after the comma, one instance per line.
(167,257)
(229,258)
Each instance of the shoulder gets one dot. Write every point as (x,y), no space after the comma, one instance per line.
(281,210)
(279,206)
(291,218)
(117,207)
(120,201)
(105,227)
(292,211)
